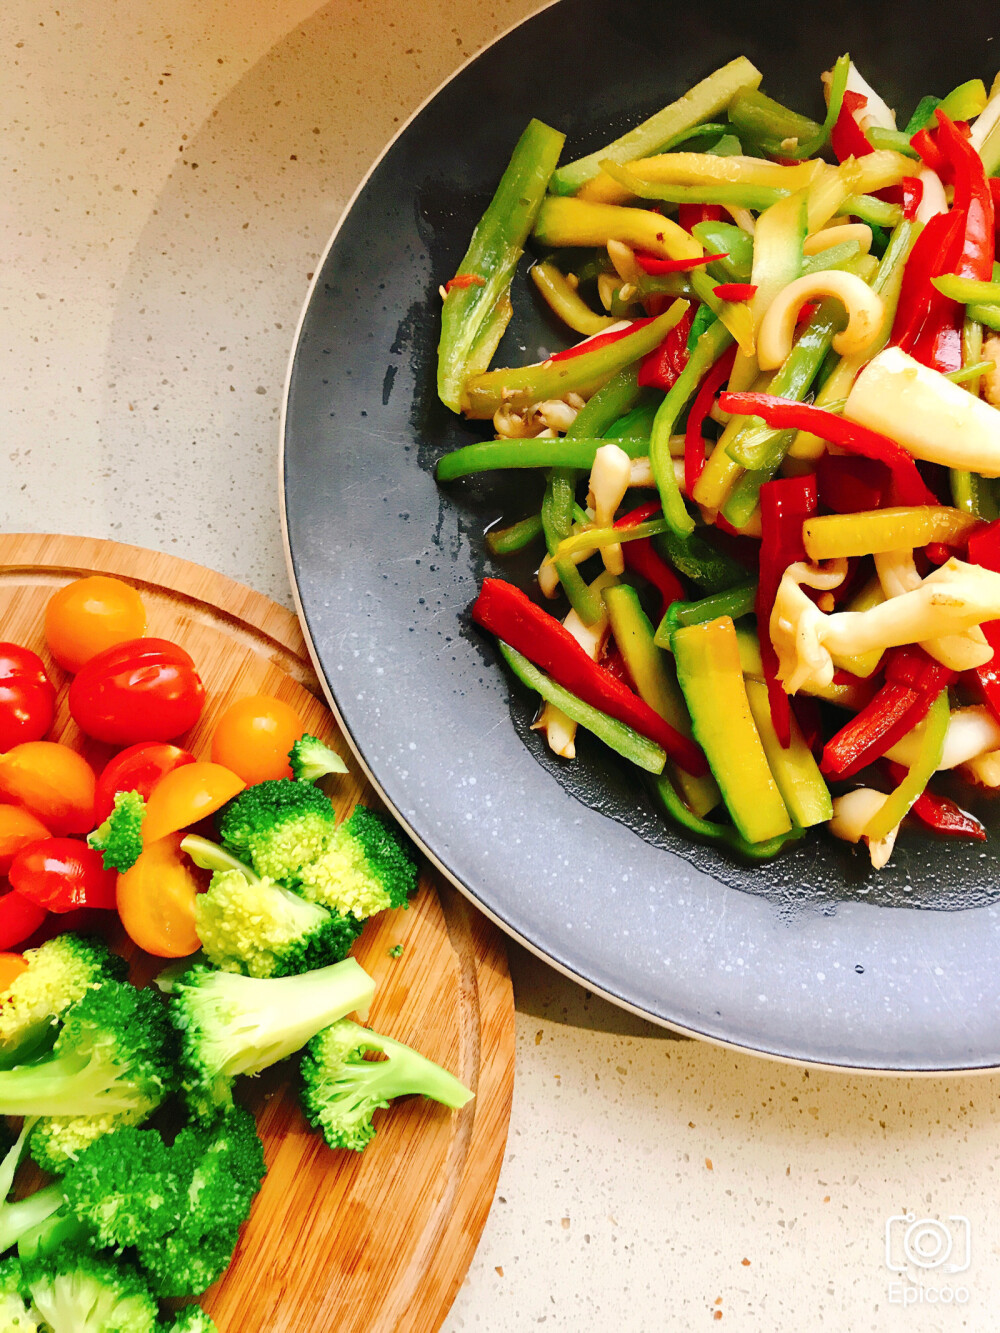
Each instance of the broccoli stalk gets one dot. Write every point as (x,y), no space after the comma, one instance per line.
(231,1024)
(120,836)
(342,1090)
(80,1293)
(15,1316)
(310,760)
(18,1219)
(368,867)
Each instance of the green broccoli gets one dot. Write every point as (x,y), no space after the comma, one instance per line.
(192,1319)
(231,1024)
(367,867)
(341,1089)
(81,1293)
(58,1140)
(18,1219)
(60,972)
(278,826)
(120,836)
(15,1316)
(311,760)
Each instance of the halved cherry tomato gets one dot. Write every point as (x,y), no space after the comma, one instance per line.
(186,795)
(61,874)
(19,919)
(253,737)
(90,615)
(53,782)
(142,690)
(156,899)
(18,827)
(27,696)
(139,768)
(11,967)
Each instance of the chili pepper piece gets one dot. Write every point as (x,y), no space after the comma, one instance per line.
(735,291)
(694,444)
(642,557)
(465,280)
(654,264)
(599,340)
(847,138)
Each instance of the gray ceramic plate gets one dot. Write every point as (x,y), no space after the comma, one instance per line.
(812,957)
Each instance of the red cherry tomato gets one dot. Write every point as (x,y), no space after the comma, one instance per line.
(19,918)
(61,874)
(27,696)
(142,690)
(139,768)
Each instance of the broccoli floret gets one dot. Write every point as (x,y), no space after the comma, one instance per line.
(341,1090)
(367,867)
(192,1319)
(15,1316)
(59,973)
(58,1140)
(120,836)
(262,929)
(311,760)
(114,1055)
(231,1024)
(278,826)
(80,1293)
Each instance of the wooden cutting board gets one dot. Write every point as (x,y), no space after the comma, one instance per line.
(338,1242)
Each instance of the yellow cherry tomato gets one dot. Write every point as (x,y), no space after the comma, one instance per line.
(156,900)
(53,782)
(185,795)
(18,827)
(11,967)
(253,737)
(89,615)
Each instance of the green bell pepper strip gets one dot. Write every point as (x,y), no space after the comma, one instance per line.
(720,835)
(970,492)
(733,602)
(655,680)
(662,284)
(634,425)
(584,373)
(894,140)
(732,242)
(670,126)
(922,116)
(737,193)
(711,129)
(834,257)
(985,314)
(701,563)
(928,759)
(473,317)
(638,750)
(761,120)
(876,212)
(492,455)
(709,347)
(612,400)
(505,541)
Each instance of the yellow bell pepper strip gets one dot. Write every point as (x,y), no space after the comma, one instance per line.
(720,835)
(655,680)
(695,170)
(923,769)
(733,602)
(474,316)
(565,301)
(734,313)
(709,672)
(520,388)
(575,222)
(672,125)
(872,531)
(595,538)
(806,796)
(638,750)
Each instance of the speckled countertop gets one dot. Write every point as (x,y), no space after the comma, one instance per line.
(170,174)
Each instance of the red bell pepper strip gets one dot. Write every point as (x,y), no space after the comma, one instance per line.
(654,264)
(614,665)
(908,486)
(913,680)
(694,444)
(689,215)
(735,291)
(973,197)
(642,557)
(783,506)
(938,812)
(930,153)
(509,614)
(939,244)
(984,549)
(465,280)
(847,484)
(847,138)
(913,193)
(599,340)
(662,367)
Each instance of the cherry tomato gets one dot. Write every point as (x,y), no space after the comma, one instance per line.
(139,768)
(253,737)
(156,900)
(61,874)
(90,615)
(53,782)
(186,795)
(19,919)
(11,967)
(27,696)
(18,827)
(142,690)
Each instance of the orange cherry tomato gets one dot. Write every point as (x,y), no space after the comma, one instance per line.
(11,967)
(53,782)
(184,796)
(89,615)
(156,899)
(253,737)
(18,827)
